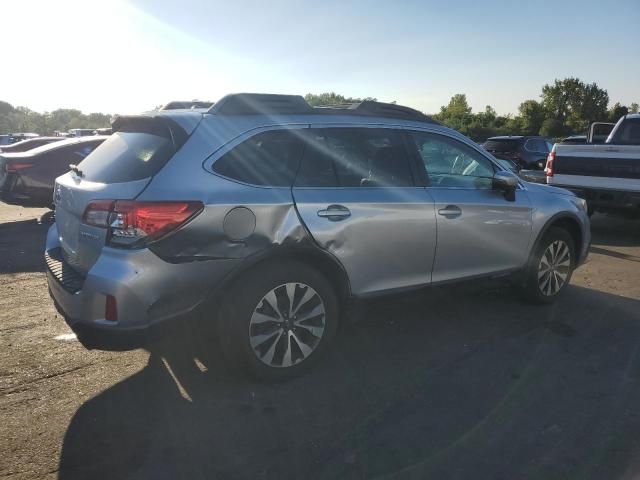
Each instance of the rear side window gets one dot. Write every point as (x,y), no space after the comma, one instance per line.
(354,157)
(127,156)
(501,145)
(268,159)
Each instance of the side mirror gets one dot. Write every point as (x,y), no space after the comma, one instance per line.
(505,181)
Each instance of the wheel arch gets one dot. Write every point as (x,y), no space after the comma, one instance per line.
(318,259)
(567,222)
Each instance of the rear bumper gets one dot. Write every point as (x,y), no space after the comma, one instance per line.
(94,336)
(149,292)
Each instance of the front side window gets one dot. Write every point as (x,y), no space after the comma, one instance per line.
(354,157)
(450,163)
(267,159)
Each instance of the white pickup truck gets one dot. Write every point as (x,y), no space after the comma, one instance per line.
(606,175)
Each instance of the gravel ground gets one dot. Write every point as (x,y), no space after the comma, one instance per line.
(452,383)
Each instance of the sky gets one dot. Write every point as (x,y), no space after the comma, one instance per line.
(121,56)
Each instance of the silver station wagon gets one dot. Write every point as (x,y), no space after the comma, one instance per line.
(271,218)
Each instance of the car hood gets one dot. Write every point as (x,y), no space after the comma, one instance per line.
(539,187)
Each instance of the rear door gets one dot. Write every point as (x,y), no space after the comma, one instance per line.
(120,168)
(479,231)
(356,194)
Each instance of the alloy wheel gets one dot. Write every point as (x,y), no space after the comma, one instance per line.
(554,268)
(287,325)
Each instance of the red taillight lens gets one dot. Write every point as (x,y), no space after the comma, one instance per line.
(548,170)
(132,223)
(14,167)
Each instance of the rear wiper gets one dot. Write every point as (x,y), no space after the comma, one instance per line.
(74,168)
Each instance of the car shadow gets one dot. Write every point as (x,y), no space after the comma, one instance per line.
(22,244)
(456,382)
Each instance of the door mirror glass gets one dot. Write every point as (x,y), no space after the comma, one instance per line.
(505,181)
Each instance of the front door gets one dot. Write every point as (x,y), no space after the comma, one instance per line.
(480,231)
(355,193)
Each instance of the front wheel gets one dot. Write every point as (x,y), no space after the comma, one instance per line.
(278,320)
(550,268)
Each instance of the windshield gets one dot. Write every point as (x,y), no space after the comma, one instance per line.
(127,156)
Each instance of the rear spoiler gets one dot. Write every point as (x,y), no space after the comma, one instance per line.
(176,128)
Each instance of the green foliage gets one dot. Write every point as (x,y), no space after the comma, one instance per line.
(617,111)
(553,128)
(331,98)
(22,119)
(531,117)
(575,104)
(567,106)
(634,108)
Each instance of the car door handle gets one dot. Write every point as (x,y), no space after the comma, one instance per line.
(450,211)
(335,213)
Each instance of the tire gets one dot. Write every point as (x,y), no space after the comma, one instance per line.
(262,334)
(544,285)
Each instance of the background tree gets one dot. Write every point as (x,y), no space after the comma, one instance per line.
(532,114)
(617,111)
(457,114)
(331,98)
(22,119)
(574,104)
(634,108)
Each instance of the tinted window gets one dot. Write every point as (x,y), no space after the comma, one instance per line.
(501,145)
(268,158)
(127,156)
(354,157)
(450,163)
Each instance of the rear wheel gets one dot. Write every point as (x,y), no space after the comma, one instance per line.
(551,267)
(278,320)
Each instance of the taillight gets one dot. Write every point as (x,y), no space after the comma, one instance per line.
(548,170)
(14,167)
(132,223)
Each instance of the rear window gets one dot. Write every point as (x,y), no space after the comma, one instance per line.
(628,133)
(127,156)
(501,145)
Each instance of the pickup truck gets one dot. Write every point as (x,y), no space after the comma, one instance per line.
(606,175)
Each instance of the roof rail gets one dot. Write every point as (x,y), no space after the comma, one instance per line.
(263,103)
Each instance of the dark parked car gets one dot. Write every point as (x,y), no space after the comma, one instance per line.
(27,178)
(30,144)
(527,151)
